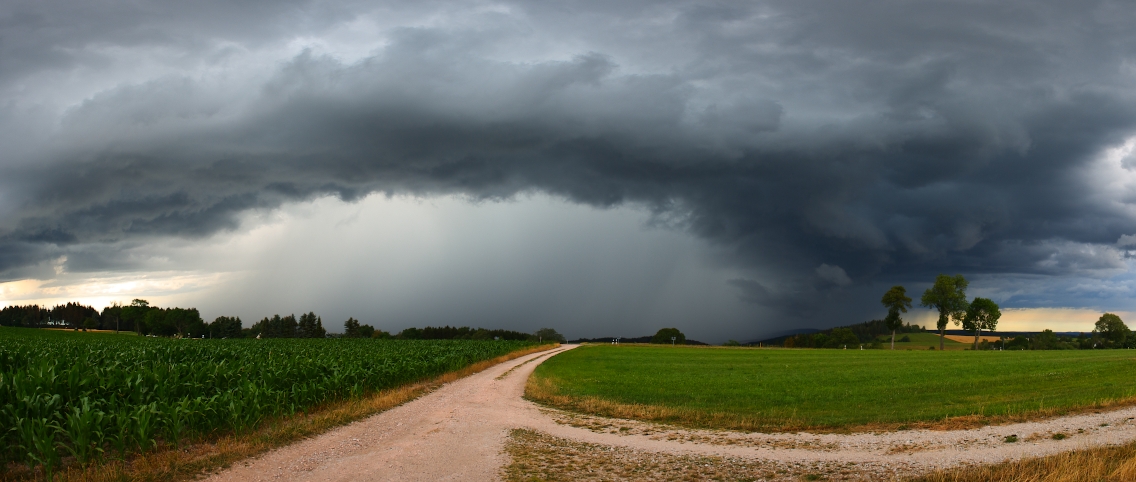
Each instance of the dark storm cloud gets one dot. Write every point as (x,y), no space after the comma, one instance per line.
(832,146)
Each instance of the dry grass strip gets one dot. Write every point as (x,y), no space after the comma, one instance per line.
(1102,464)
(536,456)
(545,391)
(195,458)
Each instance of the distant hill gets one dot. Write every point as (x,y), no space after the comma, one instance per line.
(638,339)
(779,337)
(865,332)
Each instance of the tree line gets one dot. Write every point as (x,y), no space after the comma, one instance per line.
(866,333)
(142,318)
(34,316)
(948,296)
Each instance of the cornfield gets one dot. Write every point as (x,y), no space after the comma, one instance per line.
(87,398)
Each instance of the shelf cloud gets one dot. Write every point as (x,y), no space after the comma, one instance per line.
(830,149)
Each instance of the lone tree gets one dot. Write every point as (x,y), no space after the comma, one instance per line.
(548,334)
(664,336)
(1112,328)
(982,314)
(948,295)
(896,301)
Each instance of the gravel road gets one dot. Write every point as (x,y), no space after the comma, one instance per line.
(457,433)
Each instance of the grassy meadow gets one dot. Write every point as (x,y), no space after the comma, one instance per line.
(921,341)
(780,389)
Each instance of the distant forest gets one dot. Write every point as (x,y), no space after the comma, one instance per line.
(638,339)
(861,333)
(143,319)
(868,334)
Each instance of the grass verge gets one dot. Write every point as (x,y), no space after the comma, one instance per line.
(192,459)
(1102,464)
(832,390)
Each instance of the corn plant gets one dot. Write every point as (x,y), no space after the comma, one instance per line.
(83,395)
(83,428)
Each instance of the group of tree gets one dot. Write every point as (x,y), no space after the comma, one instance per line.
(669,336)
(353,329)
(866,334)
(139,317)
(1108,332)
(1111,332)
(661,337)
(948,296)
(69,315)
(142,318)
(840,337)
(308,326)
(466,333)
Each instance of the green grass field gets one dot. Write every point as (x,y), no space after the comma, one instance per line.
(921,341)
(781,389)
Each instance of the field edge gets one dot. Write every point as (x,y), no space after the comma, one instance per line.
(1114,463)
(204,457)
(545,391)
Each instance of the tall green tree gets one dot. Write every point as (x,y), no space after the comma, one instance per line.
(948,296)
(310,326)
(134,315)
(73,314)
(187,322)
(896,301)
(840,338)
(225,327)
(275,327)
(111,317)
(669,335)
(352,329)
(549,334)
(1046,340)
(981,314)
(1112,329)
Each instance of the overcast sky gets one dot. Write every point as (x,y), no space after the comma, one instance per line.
(603,168)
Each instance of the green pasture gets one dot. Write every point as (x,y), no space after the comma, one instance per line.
(921,341)
(783,388)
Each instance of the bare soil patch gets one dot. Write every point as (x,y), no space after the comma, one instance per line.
(970,338)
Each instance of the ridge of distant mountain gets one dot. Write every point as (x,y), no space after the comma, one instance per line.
(782,335)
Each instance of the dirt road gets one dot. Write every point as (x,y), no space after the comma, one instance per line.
(458,431)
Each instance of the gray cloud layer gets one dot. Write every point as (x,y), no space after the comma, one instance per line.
(833,147)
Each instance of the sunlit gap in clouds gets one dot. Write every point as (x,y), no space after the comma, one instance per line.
(1029,319)
(104,289)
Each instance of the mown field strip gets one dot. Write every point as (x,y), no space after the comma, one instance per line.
(779,389)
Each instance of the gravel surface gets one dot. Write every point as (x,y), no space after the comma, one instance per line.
(459,431)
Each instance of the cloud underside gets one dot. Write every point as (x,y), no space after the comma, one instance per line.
(823,146)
